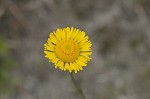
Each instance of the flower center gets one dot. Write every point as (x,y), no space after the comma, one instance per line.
(67,50)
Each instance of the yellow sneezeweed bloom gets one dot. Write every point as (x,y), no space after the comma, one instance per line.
(68,48)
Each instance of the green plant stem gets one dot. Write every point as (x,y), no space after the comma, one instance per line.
(76,85)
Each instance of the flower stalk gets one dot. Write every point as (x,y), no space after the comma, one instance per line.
(76,85)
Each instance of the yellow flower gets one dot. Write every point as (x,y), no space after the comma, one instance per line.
(68,48)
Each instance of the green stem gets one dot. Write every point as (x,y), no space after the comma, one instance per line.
(76,85)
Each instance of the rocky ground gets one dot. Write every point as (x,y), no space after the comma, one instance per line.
(120,34)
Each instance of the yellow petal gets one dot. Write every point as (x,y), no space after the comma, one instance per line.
(86,49)
(80,63)
(81,37)
(77,37)
(85,53)
(55,60)
(74,33)
(49,40)
(67,67)
(72,29)
(53,38)
(57,34)
(76,67)
(72,66)
(60,64)
(86,46)
(83,40)
(68,32)
(63,36)
(88,43)
(87,57)
(50,55)
(49,47)
(83,59)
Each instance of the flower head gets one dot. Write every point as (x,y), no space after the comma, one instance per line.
(68,48)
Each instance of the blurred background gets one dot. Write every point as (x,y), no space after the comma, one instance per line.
(118,29)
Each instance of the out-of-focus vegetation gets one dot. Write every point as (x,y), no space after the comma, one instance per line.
(6,65)
(147,76)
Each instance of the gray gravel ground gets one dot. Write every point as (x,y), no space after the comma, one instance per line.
(118,29)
